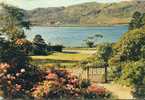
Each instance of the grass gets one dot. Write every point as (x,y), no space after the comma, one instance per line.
(62,57)
(79,48)
(68,58)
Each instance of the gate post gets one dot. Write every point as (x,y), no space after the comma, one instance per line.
(106,74)
(88,73)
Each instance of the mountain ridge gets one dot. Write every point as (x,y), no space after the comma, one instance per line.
(87,14)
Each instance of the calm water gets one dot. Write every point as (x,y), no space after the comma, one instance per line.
(74,36)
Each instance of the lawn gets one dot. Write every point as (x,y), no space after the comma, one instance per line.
(62,57)
(69,57)
(79,48)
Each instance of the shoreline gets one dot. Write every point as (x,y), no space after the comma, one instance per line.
(35,25)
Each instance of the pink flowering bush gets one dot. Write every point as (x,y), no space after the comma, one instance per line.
(57,83)
(62,84)
(52,84)
(17,82)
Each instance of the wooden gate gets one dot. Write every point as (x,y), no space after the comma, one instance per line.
(95,74)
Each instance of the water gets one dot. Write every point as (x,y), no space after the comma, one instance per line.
(74,36)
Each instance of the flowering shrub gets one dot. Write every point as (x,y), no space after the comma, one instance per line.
(16,81)
(57,83)
(61,84)
(54,83)
(97,90)
(3,67)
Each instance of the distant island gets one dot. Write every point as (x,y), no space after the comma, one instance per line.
(87,14)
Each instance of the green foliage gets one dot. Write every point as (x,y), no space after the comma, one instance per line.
(104,51)
(91,40)
(128,60)
(138,21)
(100,59)
(39,46)
(11,27)
(133,73)
(89,44)
(139,92)
(14,56)
(12,22)
(129,48)
(85,83)
(3,46)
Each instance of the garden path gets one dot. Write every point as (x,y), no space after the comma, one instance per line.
(118,90)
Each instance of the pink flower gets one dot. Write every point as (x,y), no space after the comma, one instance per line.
(69,87)
(97,89)
(13,77)
(4,65)
(18,74)
(22,70)
(18,87)
(8,76)
(51,76)
(5,71)
(76,94)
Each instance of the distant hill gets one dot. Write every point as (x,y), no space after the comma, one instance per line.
(87,14)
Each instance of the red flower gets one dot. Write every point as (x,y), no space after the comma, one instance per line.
(4,66)
(51,76)
(18,87)
(96,89)
(22,42)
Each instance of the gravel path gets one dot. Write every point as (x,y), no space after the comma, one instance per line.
(119,91)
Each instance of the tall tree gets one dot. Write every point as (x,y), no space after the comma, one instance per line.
(39,45)
(13,21)
(138,20)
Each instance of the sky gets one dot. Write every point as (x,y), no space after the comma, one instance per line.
(31,4)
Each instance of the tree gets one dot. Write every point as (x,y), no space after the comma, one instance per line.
(100,59)
(138,20)
(91,40)
(13,22)
(129,48)
(104,52)
(143,20)
(39,45)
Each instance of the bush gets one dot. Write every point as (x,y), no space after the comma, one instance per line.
(61,84)
(139,92)
(85,83)
(133,73)
(57,48)
(17,82)
(29,82)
